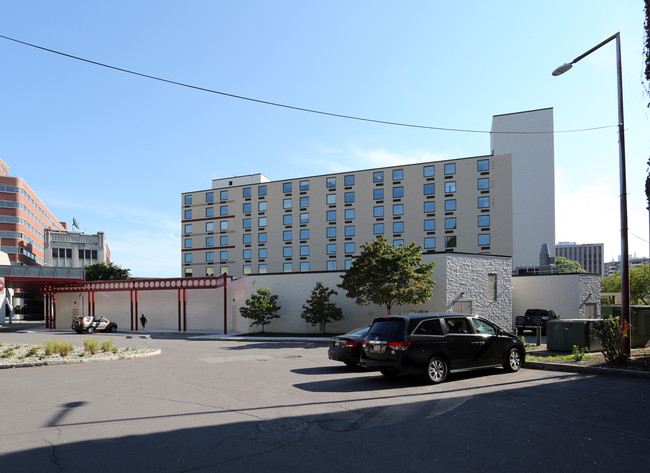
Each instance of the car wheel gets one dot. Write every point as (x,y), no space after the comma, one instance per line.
(91,330)
(114,328)
(436,370)
(513,361)
(389,373)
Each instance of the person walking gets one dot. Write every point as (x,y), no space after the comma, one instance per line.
(143,321)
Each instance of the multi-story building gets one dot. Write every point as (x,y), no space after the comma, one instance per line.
(612,266)
(75,249)
(589,255)
(23,220)
(500,204)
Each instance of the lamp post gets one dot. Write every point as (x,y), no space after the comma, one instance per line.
(625,258)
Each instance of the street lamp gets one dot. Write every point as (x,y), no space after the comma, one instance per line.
(625,258)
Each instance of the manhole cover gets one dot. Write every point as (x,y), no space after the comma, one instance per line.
(283,425)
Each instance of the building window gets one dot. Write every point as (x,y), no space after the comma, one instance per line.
(429,206)
(188,214)
(223,195)
(483,220)
(331,265)
(286,187)
(378,229)
(304,266)
(430,243)
(223,225)
(209,197)
(378,176)
(349,248)
(484,239)
(209,241)
(188,257)
(398,192)
(188,228)
(261,221)
(223,255)
(398,242)
(246,223)
(246,208)
(450,186)
(429,225)
(262,205)
(349,214)
(483,183)
(429,189)
(450,223)
(246,192)
(483,165)
(378,194)
(287,235)
(331,248)
(247,254)
(287,219)
(304,250)
(261,190)
(247,238)
(483,202)
(398,174)
(304,234)
(223,210)
(304,201)
(349,180)
(287,251)
(398,227)
(450,242)
(304,217)
(429,171)
(223,240)
(209,226)
(450,205)
(223,269)
(492,287)
(287,267)
(209,271)
(398,209)
(262,268)
(247,269)
(188,243)
(349,230)
(304,185)
(331,232)
(286,203)
(188,200)
(261,237)
(378,211)
(330,199)
(262,253)
(330,182)
(348,264)
(209,211)
(349,196)
(450,168)
(331,215)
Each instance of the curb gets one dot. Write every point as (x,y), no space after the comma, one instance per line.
(236,338)
(536,365)
(75,361)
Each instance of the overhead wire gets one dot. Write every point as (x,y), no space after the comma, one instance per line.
(291,107)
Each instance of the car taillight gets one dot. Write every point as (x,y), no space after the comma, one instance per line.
(365,343)
(350,344)
(399,345)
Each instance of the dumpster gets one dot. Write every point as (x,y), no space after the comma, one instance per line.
(562,335)
(639,319)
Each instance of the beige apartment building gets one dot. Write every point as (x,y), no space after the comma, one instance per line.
(252,225)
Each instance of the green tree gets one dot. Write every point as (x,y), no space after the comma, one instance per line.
(319,310)
(388,275)
(106,272)
(564,265)
(639,284)
(261,307)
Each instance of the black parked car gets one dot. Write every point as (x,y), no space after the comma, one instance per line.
(432,345)
(347,347)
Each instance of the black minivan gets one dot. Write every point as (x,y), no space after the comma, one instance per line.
(432,345)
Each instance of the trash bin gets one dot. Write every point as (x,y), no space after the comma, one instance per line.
(562,335)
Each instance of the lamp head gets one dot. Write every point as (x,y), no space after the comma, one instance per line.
(562,69)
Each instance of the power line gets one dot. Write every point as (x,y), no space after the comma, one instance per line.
(292,107)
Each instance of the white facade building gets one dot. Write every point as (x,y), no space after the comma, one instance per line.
(65,249)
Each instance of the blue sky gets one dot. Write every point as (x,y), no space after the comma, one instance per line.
(115,151)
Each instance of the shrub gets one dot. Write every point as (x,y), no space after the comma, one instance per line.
(579,353)
(90,345)
(57,346)
(612,334)
(107,345)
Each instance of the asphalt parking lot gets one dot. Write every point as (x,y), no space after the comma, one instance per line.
(205,406)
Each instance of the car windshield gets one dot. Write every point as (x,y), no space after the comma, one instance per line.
(389,329)
(357,332)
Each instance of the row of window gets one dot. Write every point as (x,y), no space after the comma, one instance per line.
(67,253)
(377,176)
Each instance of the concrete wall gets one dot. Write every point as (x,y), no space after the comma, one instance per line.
(566,294)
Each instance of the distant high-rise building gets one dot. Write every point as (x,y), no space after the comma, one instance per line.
(589,255)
